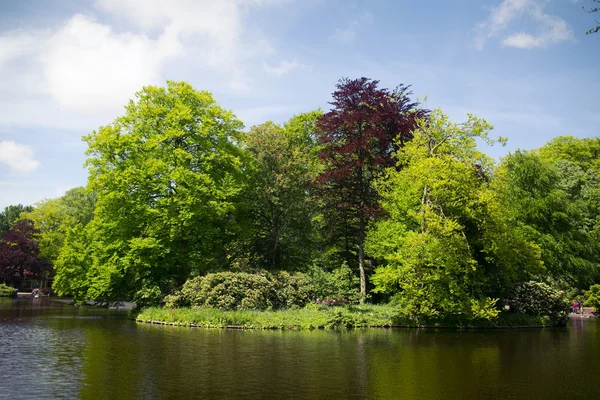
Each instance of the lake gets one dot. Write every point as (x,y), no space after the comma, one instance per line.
(49,349)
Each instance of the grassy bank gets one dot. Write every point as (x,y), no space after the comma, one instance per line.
(313,317)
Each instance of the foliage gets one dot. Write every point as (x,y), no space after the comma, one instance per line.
(310,317)
(166,176)
(6,291)
(540,299)
(242,290)
(341,285)
(592,297)
(321,317)
(359,137)
(10,215)
(281,207)
(445,245)
(55,217)
(554,194)
(19,253)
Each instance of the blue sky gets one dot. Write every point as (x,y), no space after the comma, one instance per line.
(68,67)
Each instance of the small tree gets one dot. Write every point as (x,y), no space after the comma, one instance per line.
(19,253)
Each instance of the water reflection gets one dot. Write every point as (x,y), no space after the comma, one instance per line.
(52,350)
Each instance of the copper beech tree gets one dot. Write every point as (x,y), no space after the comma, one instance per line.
(360,136)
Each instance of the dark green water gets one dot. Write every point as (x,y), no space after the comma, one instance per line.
(49,349)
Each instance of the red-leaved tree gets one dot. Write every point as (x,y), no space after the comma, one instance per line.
(360,136)
(19,253)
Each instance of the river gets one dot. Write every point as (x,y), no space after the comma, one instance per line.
(49,349)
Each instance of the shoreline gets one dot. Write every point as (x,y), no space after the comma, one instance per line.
(322,328)
(332,318)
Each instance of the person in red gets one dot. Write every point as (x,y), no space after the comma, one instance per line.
(575,306)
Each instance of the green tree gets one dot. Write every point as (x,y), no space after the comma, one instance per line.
(10,215)
(547,198)
(54,217)
(446,246)
(279,197)
(166,175)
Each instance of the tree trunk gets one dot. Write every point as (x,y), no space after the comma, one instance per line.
(361,260)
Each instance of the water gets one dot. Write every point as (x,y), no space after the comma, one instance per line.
(49,350)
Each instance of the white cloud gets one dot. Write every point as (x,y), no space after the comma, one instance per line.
(88,68)
(18,157)
(550,29)
(282,68)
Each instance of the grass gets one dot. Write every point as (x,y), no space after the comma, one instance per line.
(7,291)
(318,317)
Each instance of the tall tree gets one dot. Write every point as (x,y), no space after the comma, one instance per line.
(19,253)
(360,135)
(166,175)
(11,214)
(446,244)
(279,195)
(557,202)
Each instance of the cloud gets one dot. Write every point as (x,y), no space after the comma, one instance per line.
(282,68)
(18,157)
(348,34)
(550,29)
(14,44)
(89,68)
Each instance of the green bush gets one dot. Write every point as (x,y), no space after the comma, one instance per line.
(541,299)
(340,285)
(592,297)
(7,290)
(242,290)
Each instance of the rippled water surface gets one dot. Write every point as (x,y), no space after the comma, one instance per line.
(49,350)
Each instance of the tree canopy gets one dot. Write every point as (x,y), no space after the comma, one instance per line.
(166,175)
(375,190)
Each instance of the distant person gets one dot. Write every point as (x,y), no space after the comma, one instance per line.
(575,306)
(580,306)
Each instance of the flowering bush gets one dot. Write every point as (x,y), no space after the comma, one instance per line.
(541,299)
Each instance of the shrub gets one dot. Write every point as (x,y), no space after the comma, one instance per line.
(242,290)
(592,297)
(7,290)
(338,286)
(541,299)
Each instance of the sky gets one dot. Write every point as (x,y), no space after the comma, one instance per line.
(68,67)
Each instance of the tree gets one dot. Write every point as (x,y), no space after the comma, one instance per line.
(19,253)
(281,205)
(166,175)
(593,10)
(366,126)
(54,217)
(557,202)
(446,245)
(11,214)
